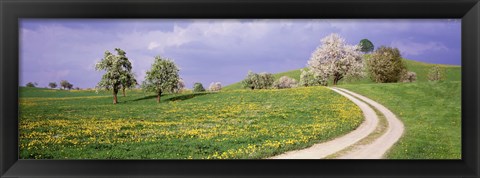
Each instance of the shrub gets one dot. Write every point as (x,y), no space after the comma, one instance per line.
(409,77)
(215,86)
(308,78)
(30,84)
(52,85)
(198,87)
(285,82)
(385,65)
(258,81)
(436,73)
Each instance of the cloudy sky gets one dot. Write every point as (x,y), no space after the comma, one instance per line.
(214,50)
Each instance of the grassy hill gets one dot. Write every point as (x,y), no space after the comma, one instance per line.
(430,111)
(453,74)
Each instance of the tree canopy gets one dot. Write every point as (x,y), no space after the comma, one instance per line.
(66,85)
(118,73)
(385,65)
(366,46)
(52,85)
(162,78)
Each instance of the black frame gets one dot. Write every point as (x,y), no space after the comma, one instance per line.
(467,10)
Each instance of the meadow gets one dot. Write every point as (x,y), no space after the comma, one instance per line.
(78,124)
(236,123)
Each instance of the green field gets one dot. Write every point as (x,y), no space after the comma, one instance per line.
(59,124)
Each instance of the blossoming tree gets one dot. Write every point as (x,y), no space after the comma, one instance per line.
(336,59)
(162,78)
(118,73)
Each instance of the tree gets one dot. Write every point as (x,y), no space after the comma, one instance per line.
(30,84)
(52,85)
(127,77)
(69,86)
(215,86)
(385,65)
(334,58)
(128,81)
(285,82)
(162,78)
(117,72)
(198,87)
(66,85)
(436,73)
(258,81)
(366,46)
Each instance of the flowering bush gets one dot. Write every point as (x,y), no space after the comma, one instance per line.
(409,77)
(215,86)
(285,82)
(308,78)
(258,81)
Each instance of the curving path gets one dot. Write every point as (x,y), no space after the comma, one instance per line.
(377,148)
(324,149)
(372,150)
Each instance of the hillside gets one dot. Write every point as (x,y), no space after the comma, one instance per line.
(431,112)
(421,68)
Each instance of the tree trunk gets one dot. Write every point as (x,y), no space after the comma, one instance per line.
(158,97)
(123,90)
(115,100)
(337,78)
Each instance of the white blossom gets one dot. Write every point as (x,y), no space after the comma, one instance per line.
(215,86)
(285,82)
(334,58)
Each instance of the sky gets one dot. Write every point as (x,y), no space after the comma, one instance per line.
(215,50)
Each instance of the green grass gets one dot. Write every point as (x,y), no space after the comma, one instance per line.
(431,112)
(58,124)
(421,68)
(452,72)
